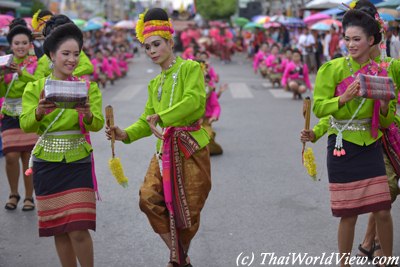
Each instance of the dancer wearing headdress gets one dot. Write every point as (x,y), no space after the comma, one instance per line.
(178,179)
(17,145)
(61,160)
(356,169)
(39,20)
(45,65)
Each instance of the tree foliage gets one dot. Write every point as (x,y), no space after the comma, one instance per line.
(216,9)
(36,5)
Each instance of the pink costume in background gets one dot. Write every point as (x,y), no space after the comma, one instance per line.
(213,109)
(260,57)
(292,73)
(115,67)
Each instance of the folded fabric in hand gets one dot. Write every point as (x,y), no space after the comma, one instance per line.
(66,94)
(376,87)
(5,62)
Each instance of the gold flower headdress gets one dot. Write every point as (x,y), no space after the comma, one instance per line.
(149,28)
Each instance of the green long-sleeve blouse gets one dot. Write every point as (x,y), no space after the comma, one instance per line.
(326,103)
(188,101)
(68,121)
(85,67)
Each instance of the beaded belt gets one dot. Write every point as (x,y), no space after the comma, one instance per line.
(12,106)
(53,143)
(355,125)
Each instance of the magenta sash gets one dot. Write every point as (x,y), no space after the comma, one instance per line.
(177,140)
(369,69)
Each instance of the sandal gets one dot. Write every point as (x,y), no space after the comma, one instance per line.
(28,206)
(367,253)
(10,205)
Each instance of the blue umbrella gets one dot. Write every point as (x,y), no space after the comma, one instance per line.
(386,17)
(92,26)
(293,22)
(320,27)
(252,25)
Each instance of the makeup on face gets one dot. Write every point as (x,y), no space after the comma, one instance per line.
(20,45)
(66,58)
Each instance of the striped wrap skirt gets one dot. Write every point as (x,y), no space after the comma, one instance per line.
(13,138)
(65,197)
(357,181)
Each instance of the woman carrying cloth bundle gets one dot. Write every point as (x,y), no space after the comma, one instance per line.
(62,166)
(178,179)
(17,145)
(356,169)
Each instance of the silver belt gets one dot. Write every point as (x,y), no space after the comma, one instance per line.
(355,125)
(54,144)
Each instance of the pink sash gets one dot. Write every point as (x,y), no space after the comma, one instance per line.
(369,69)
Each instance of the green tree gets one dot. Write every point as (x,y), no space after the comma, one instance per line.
(216,9)
(36,5)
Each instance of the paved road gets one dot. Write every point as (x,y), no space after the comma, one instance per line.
(262,200)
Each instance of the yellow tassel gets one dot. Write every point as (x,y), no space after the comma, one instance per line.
(309,163)
(118,172)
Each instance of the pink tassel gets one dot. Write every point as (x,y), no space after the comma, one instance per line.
(335,152)
(343,152)
(28,172)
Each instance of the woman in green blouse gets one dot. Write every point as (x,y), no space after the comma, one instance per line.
(17,145)
(62,165)
(178,179)
(356,170)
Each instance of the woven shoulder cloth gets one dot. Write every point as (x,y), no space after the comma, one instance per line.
(376,87)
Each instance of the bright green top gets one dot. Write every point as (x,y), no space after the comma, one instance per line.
(188,104)
(85,67)
(325,103)
(18,86)
(68,121)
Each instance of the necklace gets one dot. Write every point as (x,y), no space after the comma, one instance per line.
(163,77)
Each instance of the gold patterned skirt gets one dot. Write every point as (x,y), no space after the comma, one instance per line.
(197,183)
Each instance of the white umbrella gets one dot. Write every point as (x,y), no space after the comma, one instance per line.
(323,4)
(125,24)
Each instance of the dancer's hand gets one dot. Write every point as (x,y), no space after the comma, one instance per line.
(15,68)
(118,133)
(43,107)
(352,91)
(85,110)
(307,136)
(152,121)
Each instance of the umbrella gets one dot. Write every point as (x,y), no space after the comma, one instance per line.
(293,22)
(272,25)
(315,18)
(320,27)
(79,22)
(386,17)
(92,26)
(5,20)
(98,20)
(240,21)
(322,4)
(330,22)
(252,26)
(261,19)
(389,3)
(125,24)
